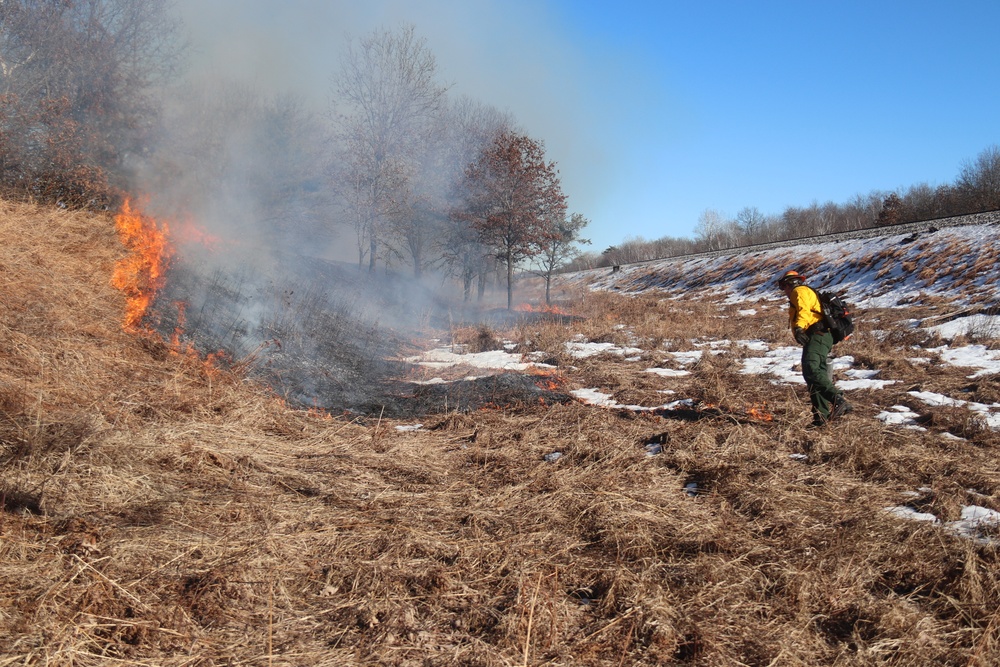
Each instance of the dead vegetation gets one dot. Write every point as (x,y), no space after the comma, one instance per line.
(158,511)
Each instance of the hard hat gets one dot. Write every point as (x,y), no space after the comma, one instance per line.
(790,278)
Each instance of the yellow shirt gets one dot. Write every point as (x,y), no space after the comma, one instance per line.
(803,308)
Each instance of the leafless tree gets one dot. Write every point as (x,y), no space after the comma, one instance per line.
(420,223)
(751,223)
(391,100)
(714,231)
(861,211)
(978,183)
(560,248)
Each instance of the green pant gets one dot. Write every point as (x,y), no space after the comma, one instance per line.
(817,374)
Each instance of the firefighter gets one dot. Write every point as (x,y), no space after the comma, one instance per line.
(806,319)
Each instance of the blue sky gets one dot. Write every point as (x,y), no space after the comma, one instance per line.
(657,111)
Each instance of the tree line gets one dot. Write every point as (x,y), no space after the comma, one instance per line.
(974,190)
(92,108)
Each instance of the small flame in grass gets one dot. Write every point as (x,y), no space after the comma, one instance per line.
(760,413)
(315,412)
(211,364)
(141,273)
(548,380)
(176,345)
(552,310)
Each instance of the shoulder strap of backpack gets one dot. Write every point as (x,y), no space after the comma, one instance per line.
(819,299)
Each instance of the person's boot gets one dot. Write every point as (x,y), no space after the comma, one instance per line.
(819,421)
(840,407)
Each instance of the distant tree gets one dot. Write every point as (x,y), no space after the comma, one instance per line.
(978,183)
(471,127)
(76,84)
(669,246)
(391,101)
(466,257)
(715,232)
(946,202)
(826,218)
(561,248)
(513,199)
(584,261)
(420,215)
(611,256)
(892,210)
(861,212)
(751,223)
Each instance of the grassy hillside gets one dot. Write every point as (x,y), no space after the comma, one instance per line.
(160,511)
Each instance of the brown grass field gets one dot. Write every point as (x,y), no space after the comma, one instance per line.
(160,511)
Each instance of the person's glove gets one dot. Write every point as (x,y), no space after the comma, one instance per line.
(801,337)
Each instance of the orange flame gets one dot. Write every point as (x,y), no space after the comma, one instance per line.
(211,364)
(553,310)
(760,413)
(141,273)
(548,380)
(175,338)
(189,232)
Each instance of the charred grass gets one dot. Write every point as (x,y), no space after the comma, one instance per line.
(158,511)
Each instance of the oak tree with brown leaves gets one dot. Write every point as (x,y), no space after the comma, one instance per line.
(513,199)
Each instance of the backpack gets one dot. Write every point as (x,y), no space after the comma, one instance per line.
(837,315)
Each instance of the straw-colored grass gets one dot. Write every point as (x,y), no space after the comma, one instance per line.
(158,511)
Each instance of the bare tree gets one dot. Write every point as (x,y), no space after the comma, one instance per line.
(751,223)
(421,225)
(561,248)
(513,199)
(391,99)
(978,183)
(861,212)
(714,231)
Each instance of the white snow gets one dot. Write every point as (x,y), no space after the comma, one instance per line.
(973,326)
(900,415)
(975,520)
(600,399)
(582,350)
(444,357)
(668,372)
(971,356)
(987,412)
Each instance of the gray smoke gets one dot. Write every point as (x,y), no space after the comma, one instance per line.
(245,172)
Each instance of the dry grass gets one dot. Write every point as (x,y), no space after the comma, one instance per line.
(161,512)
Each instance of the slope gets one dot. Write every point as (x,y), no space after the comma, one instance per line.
(160,511)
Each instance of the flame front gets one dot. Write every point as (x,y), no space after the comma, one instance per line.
(141,273)
(545,308)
